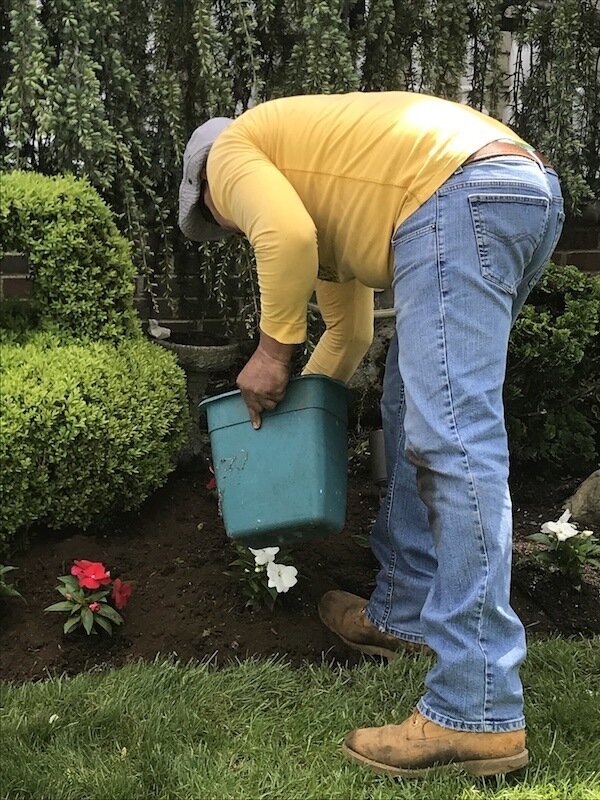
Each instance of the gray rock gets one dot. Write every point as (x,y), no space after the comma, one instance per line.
(584,505)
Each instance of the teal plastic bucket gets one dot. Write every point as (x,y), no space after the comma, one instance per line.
(287,481)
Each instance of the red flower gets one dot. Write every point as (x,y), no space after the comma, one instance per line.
(94,606)
(90,574)
(121,593)
(212,482)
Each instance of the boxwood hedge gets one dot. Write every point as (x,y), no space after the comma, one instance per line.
(83,270)
(553,375)
(85,429)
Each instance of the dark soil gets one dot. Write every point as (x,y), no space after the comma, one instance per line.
(175,552)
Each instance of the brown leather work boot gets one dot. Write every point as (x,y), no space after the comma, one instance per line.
(418,747)
(344,614)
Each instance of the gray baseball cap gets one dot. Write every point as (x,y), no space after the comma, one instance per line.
(191,220)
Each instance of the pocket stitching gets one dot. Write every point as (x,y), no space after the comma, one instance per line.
(429,228)
(480,232)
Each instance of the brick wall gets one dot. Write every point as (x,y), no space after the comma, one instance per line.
(15,277)
(580,242)
(188,306)
(579,245)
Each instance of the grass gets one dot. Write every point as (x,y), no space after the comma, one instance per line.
(266,730)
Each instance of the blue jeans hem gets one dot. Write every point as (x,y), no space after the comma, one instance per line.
(415,638)
(462,725)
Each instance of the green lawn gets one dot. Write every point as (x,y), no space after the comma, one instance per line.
(267,730)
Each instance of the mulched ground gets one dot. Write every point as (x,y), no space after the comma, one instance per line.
(175,551)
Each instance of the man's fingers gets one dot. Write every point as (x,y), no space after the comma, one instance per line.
(262,383)
(254,406)
(257,407)
(257,403)
(254,419)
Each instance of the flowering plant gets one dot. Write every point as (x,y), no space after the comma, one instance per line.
(567,549)
(6,589)
(90,596)
(263,580)
(211,483)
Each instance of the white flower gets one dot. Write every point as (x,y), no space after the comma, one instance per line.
(561,530)
(281,577)
(586,534)
(264,556)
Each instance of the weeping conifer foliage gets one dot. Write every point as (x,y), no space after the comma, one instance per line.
(111,89)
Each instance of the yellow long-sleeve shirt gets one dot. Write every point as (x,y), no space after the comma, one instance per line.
(319,184)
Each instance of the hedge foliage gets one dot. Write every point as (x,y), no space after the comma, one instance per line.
(553,376)
(85,429)
(83,269)
(552,388)
(112,90)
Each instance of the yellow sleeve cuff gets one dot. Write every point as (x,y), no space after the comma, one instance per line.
(284,332)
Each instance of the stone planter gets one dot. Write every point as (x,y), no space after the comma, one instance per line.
(199,353)
(202,357)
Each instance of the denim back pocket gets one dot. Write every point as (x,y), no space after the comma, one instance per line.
(508,230)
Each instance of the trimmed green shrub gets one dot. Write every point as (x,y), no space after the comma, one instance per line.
(85,430)
(552,390)
(18,319)
(553,375)
(83,270)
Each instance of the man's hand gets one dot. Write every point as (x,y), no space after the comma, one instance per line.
(264,379)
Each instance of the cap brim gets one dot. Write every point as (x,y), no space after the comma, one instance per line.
(191,221)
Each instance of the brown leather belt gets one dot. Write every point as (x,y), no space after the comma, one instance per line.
(506,148)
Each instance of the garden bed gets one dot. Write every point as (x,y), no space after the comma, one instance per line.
(175,552)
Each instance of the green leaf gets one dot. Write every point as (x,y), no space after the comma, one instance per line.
(87,618)
(96,596)
(75,594)
(540,537)
(70,581)
(111,614)
(10,591)
(63,605)
(104,623)
(71,624)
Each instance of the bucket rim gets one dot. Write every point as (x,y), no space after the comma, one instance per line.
(237,392)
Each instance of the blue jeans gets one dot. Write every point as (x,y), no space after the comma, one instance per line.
(464,264)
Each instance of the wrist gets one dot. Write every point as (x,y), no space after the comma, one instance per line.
(276,350)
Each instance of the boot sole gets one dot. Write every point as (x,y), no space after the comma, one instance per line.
(375,650)
(479,768)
